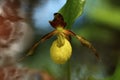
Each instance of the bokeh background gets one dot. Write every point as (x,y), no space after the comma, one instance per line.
(99,23)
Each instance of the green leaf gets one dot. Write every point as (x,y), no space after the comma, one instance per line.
(116,75)
(72,10)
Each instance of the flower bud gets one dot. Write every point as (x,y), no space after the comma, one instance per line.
(60,54)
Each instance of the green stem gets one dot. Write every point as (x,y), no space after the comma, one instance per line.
(69,70)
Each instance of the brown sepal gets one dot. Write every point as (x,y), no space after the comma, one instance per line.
(57,21)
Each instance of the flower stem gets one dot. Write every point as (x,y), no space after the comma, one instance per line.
(69,70)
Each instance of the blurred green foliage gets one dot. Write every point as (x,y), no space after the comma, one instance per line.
(103,12)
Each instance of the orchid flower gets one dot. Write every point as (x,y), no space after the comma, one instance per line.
(61,49)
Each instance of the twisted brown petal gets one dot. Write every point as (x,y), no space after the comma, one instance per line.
(31,50)
(84,42)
